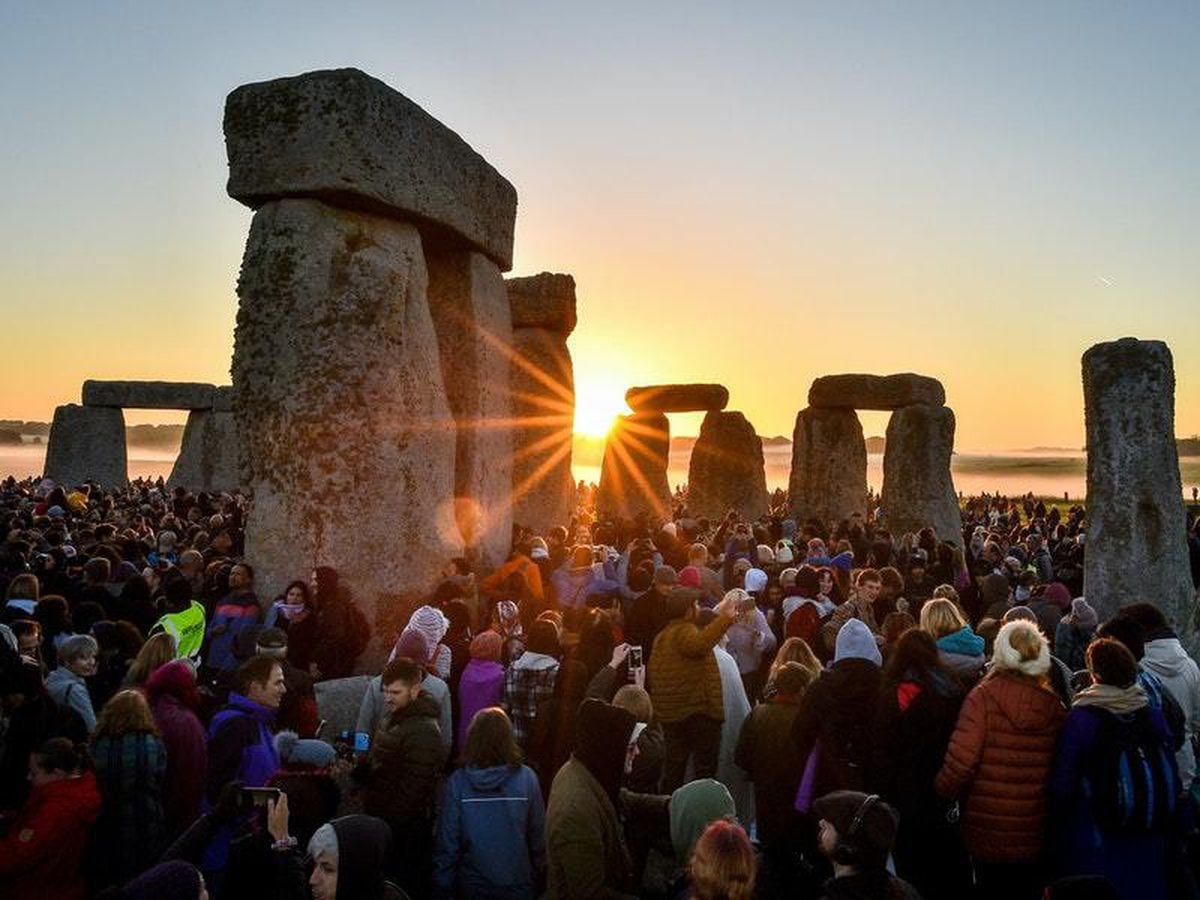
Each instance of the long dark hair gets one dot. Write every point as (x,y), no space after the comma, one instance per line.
(913,658)
(490,741)
(327,584)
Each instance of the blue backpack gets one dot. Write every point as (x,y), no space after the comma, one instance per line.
(1133,782)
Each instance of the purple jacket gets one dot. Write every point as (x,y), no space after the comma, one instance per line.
(481,686)
(187,762)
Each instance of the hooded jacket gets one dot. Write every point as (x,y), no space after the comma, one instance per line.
(43,850)
(406,758)
(999,761)
(491,837)
(363,851)
(70,690)
(1178,672)
(240,745)
(173,697)
(835,718)
(585,846)
(481,686)
(962,653)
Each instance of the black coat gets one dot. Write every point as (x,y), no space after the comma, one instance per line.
(836,717)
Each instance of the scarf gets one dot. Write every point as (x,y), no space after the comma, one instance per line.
(1113,699)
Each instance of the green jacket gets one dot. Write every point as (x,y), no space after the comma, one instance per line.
(585,848)
(405,762)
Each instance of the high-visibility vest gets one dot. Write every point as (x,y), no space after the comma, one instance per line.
(187,628)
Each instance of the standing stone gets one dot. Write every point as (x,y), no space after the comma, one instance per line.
(348,444)
(633,474)
(470,314)
(208,456)
(829,465)
(87,443)
(1136,548)
(727,470)
(918,490)
(543,389)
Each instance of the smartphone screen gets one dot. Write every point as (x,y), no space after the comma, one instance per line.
(254,798)
(362,742)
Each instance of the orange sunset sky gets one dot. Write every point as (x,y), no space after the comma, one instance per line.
(755,198)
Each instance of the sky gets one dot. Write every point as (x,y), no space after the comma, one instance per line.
(752,194)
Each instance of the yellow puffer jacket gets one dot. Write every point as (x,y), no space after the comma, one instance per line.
(683,674)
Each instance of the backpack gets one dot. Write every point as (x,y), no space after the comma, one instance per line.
(1132,781)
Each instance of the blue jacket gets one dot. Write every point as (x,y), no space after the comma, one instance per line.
(576,585)
(1136,863)
(491,839)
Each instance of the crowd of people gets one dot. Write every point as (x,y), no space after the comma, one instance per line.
(685,708)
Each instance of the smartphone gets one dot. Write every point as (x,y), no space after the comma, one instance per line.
(634,661)
(362,742)
(251,799)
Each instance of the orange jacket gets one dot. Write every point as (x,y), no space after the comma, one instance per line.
(999,761)
(493,587)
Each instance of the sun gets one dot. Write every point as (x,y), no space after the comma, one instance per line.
(597,404)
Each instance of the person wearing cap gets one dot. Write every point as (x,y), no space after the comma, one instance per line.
(855,833)
(685,685)
(648,613)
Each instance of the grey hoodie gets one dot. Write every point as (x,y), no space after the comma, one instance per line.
(1180,675)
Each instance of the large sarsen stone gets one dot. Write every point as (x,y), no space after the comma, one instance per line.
(918,490)
(208,455)
(348,444)
(1136,548)
(876,391)
(727,470)
(87,443)
(677,398)
(148,394)
(829,465)
(545,300)
(348,139)
(633,474)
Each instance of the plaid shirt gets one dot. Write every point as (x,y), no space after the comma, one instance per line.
(524,688)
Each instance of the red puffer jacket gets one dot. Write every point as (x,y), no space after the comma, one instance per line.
(43,850)
(999,758)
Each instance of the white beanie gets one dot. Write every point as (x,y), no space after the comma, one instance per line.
(756,580)
(1007,657)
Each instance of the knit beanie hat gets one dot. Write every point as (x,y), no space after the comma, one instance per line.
(843,562)
(1019,613)
(412,645)
(487,646)
(431,622)
(1020,647)
(297,751)
(689,576)
(1058,594)
(1082,613)
(174,880)
(756,581)
(765,555)
(783,553)
(855,641)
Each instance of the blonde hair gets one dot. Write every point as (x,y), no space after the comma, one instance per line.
(723,865)
(158,650)
(635,700)
(795,649)
(940,617)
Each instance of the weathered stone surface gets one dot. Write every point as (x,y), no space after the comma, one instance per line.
(727,470)
(918,490)
(338,702)
(223,398)
(1136,547)
(470,314)
(829,465)
(876,391)
(346,434)
(148,394)
(208,456)
(677,398)
(350,140)
(87,443)
(543,385)
(633,474)
(546,300)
